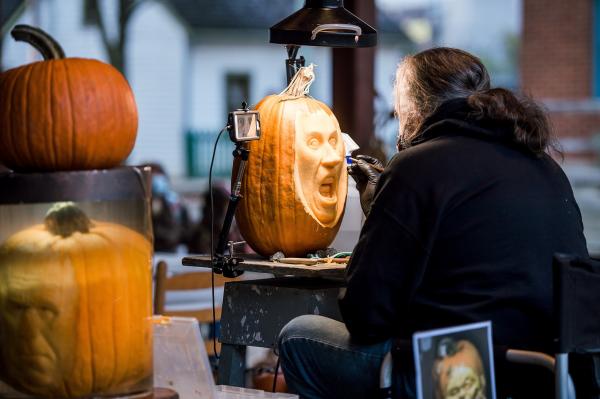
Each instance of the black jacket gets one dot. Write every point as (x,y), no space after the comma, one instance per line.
(462,229)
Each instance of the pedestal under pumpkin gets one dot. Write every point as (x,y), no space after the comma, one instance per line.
(296,182)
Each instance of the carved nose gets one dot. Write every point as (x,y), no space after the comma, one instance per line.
(331,158)
(31,323)
(31,340)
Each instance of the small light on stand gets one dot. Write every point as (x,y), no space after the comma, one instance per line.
(243,125)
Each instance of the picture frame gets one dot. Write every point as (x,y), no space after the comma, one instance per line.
(455,362)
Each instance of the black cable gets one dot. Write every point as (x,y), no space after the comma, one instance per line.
(275,376)
(212,247)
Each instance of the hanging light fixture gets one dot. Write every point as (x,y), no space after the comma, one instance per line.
(320,23)
(323,23)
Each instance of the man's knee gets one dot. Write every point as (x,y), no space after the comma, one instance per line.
(308,329)
(301,326)
(312,327)
(298,327)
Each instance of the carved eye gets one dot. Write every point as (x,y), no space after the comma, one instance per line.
(15,306)
(333,141)
(47,313)
(313,143)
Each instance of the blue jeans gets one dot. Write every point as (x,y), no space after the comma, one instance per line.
(319,360)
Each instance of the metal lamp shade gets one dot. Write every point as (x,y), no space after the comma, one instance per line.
(323,23)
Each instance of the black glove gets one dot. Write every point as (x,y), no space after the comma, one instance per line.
(366,174)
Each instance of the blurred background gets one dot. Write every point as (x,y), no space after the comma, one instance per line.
(190,62)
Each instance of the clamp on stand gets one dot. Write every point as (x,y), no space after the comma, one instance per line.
(222,263)
(292,64)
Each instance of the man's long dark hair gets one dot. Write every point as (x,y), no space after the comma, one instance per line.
(434,76)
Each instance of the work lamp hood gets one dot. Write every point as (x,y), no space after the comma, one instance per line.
(323,23)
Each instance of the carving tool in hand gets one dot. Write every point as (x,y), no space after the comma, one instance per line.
(376,167)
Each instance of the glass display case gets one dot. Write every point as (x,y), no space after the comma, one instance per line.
(75,283)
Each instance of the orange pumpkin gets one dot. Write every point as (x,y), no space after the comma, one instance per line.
(295,186)
(64,113)
(75,307)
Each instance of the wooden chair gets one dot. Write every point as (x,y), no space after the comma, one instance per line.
(187,281)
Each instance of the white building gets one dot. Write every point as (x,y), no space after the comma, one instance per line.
(190,62)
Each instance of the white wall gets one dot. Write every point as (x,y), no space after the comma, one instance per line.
(212,61)
(63,20)
(265,65)
(158,71)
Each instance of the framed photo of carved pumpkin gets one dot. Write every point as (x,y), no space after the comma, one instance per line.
(455,362)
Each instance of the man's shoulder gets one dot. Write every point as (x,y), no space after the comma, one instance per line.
(435,154)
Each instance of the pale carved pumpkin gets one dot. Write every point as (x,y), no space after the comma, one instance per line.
(459,372)
(75,307)
(295,186)
(64,113)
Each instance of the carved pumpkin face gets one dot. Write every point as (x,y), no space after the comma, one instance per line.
(463,382)
(36,314)
(319,163)
(295,185)
(460,375)
(75,307)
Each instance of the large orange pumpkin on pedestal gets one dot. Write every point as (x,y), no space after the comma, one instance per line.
(296,182)
(64,113)
(75,308)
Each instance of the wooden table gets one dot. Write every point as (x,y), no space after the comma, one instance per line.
(157,393)
(332,271)
(254,311)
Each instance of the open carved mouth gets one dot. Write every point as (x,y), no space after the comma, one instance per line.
(328,190)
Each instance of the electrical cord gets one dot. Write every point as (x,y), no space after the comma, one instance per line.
(212,247)
(275,374)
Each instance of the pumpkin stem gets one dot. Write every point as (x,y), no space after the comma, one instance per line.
(43,42)
(301,82)
(65,218)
